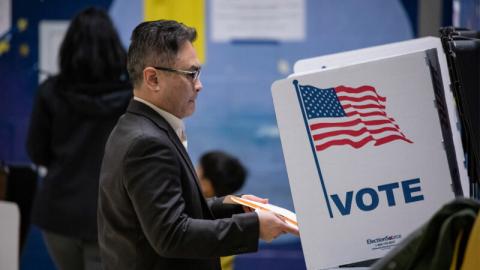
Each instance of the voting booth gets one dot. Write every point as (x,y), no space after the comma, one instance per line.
(371,145)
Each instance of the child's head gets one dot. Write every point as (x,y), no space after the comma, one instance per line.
(220,174)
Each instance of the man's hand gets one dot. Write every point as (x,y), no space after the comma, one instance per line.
(254,198)
(271,226)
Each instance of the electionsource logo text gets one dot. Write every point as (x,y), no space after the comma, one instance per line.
(384,242)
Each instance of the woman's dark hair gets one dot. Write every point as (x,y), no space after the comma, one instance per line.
(225,172)
(156,43)
(91,50)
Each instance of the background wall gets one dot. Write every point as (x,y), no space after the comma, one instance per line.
(235,110)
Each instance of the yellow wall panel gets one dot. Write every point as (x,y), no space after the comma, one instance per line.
(189,12)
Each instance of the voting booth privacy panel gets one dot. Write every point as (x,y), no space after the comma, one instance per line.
(462,49)
(369,152)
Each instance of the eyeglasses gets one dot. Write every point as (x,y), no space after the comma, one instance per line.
(192,74)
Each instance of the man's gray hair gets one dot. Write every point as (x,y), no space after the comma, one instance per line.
(156,43)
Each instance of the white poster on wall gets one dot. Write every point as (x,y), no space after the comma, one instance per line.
(279,20)
(365,156)
(5,16)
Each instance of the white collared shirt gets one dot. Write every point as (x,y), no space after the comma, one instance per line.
(175,122)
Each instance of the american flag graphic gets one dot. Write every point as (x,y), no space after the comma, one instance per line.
(348,116)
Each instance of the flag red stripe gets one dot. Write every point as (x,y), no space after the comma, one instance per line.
(352,123)
(361,89)
(367,106)
(358,99)
(341,124)
(350,132)
(378,113)
(354,144)
(390,138)
(378,122)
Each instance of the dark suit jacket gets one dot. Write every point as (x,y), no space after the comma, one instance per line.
(152,214)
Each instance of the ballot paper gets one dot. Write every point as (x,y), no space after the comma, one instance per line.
(288,216)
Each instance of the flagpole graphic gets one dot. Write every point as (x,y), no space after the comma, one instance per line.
(327,201)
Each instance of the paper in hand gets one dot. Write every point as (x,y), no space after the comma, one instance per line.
(288,216)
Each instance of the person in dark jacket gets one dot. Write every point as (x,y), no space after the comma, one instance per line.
(151,211)
(73,114)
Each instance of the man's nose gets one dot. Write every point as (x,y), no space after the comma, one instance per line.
(198,85)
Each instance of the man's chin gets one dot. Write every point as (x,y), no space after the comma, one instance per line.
(189,112)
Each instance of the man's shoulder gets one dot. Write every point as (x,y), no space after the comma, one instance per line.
(133,129)
(140,125)
(132,136)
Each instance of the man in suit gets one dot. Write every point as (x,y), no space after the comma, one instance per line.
(152,214)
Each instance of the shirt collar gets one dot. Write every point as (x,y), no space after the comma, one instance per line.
(175,122)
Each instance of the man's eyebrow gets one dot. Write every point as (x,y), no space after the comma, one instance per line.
(195,67)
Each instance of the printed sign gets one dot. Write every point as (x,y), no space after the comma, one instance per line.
(277,20)
(398,48)
(365,156)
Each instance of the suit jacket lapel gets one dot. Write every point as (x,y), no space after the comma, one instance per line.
(142,109)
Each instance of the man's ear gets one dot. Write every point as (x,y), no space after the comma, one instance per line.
(150,78)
